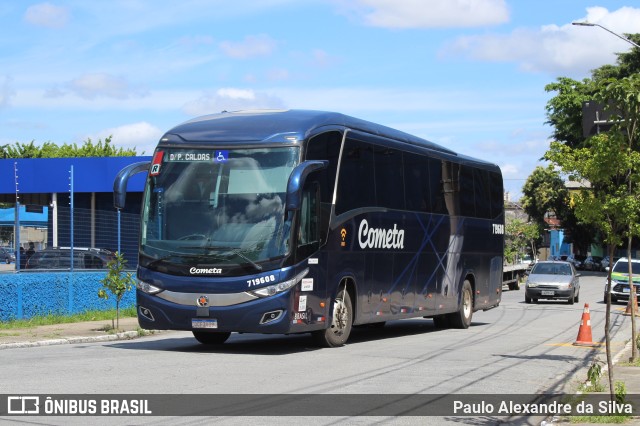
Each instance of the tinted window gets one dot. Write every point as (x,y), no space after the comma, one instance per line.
(482,193)
(356,187)
(451,187)
(389,178)
(497,197)
(416,182)
(436,185)
(467,197)
(623,267)
(325,146)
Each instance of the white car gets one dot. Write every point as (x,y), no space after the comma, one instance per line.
(620,289)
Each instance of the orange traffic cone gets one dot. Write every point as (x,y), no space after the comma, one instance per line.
(584,333)
(632,306)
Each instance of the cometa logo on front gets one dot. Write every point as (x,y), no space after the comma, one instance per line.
(197,271)
(380,237)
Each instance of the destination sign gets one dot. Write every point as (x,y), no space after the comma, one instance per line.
(216,156)
(191,156)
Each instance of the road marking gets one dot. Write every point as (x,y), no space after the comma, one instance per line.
(571,344)
(596,344)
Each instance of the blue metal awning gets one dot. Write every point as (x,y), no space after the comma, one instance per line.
(51,175)
(7,217)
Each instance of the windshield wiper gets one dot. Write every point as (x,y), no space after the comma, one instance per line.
(237,252)
(163,258)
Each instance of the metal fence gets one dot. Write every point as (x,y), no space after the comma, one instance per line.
(76,230)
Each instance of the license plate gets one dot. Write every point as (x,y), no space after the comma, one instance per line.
(547,292)
(204,323)
(626,290)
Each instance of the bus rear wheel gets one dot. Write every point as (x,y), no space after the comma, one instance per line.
(441,321)
(208,338)
(462,318)
(341,323)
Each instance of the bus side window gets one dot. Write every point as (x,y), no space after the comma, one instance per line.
(481,187)
(356,184)
(497,195)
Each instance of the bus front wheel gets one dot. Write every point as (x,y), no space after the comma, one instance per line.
(462,318)
(342,321)
(208,338)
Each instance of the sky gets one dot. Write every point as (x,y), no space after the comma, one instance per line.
(466,74)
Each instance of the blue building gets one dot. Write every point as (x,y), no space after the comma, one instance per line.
(43,186)
(557,245)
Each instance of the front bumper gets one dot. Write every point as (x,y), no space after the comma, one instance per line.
(622,291)
(549,293)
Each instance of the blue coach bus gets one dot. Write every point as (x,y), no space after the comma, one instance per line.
(312,222)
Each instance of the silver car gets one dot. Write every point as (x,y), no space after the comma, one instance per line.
(554,280)
(6,255)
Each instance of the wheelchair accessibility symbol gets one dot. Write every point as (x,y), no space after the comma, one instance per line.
(221,156)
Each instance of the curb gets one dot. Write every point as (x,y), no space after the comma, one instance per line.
(555,420)
(127,335)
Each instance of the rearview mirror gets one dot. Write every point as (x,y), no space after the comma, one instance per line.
(121,180)
(297,179)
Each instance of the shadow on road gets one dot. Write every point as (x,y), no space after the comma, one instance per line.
(268,344)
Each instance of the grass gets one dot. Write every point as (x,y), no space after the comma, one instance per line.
(595,385)
(630,364)
(63,319)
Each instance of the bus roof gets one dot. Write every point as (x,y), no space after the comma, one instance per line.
(279,126)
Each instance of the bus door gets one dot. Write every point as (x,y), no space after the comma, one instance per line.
(308,301)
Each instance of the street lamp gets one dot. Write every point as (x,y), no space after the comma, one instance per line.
(589,24)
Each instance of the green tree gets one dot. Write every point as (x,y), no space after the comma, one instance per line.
(117,282)
(564,110)
(623,97)
(544,192)
(520,237)
(609,161)
(51,150)
(606,164)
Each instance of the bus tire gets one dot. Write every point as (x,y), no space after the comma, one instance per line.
(208,338)
(441,321)
(341,323)
(462,318)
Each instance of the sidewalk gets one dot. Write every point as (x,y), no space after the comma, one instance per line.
(78,332)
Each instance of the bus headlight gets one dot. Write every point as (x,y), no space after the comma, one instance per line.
(147,288)
(280,287)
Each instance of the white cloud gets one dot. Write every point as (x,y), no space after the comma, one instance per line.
(143,136)
(509,170)
(565,49)
(47,15)
(253,45)
(429,13)
(6,91)
(97,85)
(231,99)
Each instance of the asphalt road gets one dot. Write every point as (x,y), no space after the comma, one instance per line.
(516,348)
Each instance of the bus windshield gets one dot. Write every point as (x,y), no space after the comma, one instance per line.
(217,206)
